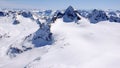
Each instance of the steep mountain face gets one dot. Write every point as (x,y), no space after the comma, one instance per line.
(68,16)
(114,19)
(94,16)
(97,15)
(47,12)
(83,13)
(26,14)
(2,13)
(57,14)
(114,16)
(42,36)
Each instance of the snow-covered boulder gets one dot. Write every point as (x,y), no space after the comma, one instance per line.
(97,15)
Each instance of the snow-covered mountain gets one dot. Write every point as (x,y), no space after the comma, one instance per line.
(59,39)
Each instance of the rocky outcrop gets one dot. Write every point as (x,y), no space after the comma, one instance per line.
(97,15)
(114,19)
(42,36)
(26,14)
(16,22)
(2,13)
(70,15)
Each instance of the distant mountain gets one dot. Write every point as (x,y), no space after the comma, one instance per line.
(97,15)
(94,16)
(70,15)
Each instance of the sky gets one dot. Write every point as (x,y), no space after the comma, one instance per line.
(60,4)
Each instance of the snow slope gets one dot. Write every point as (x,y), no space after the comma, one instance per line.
(82,46)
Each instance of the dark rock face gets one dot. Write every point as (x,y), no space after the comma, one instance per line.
(53,19)
(56,15)
(16,22)
(26,14)
(97,15)
(48,12)
(42,36)
(2,13)
(13,51)
(114,19)
(112,14)
(59,15)
(69,15)
(38,22)
(83,13)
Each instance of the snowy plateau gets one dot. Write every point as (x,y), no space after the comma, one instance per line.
(68,38)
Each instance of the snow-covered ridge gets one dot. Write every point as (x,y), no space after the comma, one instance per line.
(68,15)
(25,30)
(94,16)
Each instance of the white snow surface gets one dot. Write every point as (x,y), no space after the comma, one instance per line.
(75,45)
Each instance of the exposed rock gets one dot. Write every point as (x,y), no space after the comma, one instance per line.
(69,15)
(97,16)
(114,19)
(2,13)
(26,14)
(43,36)
(112,14)
(16,22)
(13,51)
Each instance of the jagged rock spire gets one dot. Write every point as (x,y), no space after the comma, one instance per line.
(70,15)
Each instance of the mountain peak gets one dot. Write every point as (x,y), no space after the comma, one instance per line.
(70,15)
(70,7)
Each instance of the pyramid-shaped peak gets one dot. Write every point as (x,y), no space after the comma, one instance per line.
(70,8)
